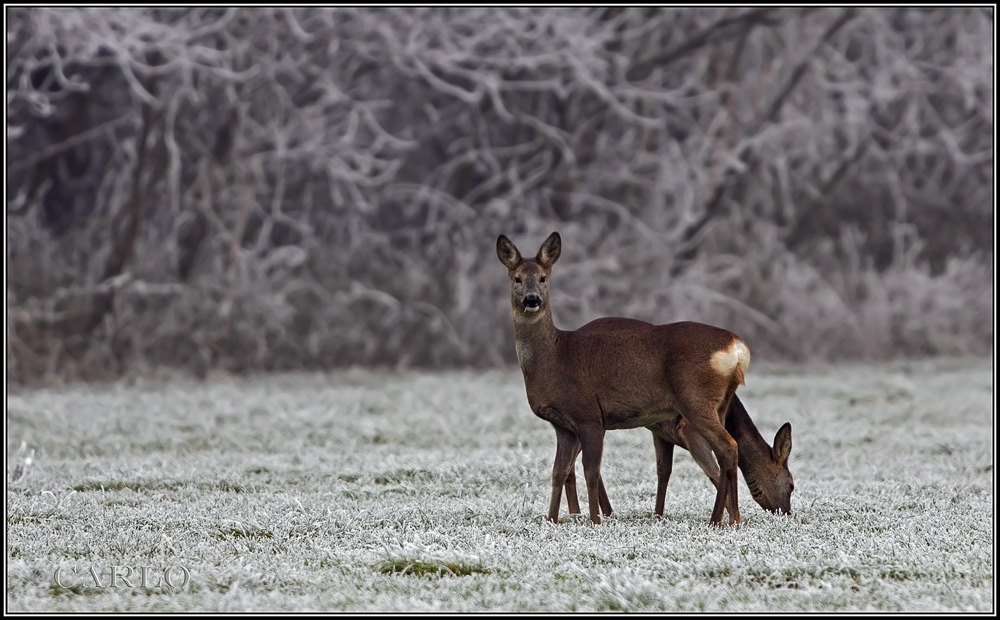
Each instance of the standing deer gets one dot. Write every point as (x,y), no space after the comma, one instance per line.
(765,468)
(620,373)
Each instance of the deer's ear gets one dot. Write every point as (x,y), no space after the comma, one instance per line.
(548,254)
(783,443)
(507,252)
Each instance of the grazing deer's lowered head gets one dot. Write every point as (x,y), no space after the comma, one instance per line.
(765,468)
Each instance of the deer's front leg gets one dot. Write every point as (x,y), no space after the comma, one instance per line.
(603,497)
(567,446)
(571,497)
(574,501)
(592,443)
(664,466)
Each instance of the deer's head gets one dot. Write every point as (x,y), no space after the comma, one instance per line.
(771,483)
(529,278)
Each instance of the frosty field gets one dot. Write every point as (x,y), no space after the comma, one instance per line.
(410,492)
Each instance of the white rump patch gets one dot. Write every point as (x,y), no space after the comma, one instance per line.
(725,361)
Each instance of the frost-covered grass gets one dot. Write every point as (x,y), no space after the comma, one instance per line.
(361,491)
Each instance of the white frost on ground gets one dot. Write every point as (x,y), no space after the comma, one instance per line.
(361,491)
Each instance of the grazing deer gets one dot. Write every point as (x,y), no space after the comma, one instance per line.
(620,373)
(765,468)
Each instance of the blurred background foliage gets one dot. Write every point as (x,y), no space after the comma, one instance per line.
(261,189)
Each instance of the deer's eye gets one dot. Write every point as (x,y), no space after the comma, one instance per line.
(518,280)
(542,279)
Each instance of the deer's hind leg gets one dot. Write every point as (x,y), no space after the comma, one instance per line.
(734,504)
(701,452)
(701,412)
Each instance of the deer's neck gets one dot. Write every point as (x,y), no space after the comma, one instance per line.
(534,338)
(754,451)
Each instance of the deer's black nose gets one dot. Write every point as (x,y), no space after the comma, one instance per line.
(532,301)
